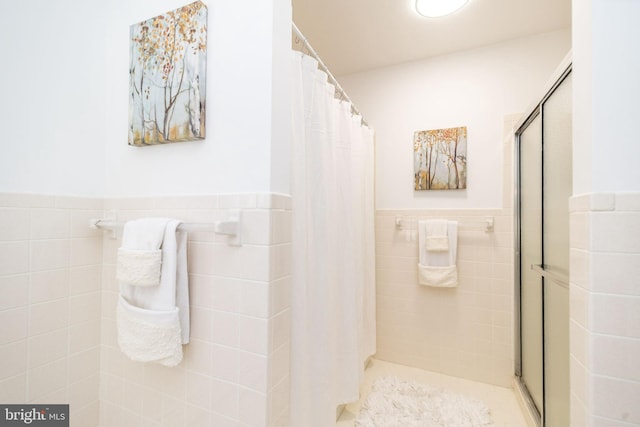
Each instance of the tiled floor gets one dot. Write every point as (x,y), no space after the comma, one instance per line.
(505,410)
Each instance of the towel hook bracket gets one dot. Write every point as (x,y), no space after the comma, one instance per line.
(230,227)
(488,220)
(399,223)
(109,218)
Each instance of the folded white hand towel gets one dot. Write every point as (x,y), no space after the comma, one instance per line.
(172,295)
(139,268)
(441,277)
(149,335)
(437,268)
(140,256)
(436,235)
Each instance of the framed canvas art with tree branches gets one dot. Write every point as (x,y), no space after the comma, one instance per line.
(167,77)
(440,159)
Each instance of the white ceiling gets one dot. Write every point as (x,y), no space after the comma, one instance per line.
(358,35)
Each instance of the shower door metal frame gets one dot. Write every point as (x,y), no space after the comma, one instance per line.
(534,411)
(537,111)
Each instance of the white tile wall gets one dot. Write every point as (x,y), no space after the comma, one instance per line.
(57,305)
(465,331)
(605,307)
(50,280)
(235,369)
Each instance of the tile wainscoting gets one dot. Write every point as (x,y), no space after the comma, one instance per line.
(465,331)
(50,289)
(57,313)
(605,309)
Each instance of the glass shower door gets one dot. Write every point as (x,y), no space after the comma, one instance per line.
(545,185)
(557,188)
(531,323)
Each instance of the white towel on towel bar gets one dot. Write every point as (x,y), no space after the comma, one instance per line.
(139,256)
(170,297)
(437,239)
(139,268)
(149,335)
(438,268)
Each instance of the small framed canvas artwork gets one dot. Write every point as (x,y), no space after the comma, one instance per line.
(440,159)
(167,77)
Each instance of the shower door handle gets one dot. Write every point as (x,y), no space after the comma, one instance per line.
(554,277)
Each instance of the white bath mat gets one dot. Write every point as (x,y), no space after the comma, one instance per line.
(398,403)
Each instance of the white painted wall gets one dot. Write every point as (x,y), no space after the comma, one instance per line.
(64,113)
(281,98)
(475,88)
(582,96)
(52,113)
(607,91)
(237,155)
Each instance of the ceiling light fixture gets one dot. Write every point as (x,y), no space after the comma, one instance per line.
(437,8)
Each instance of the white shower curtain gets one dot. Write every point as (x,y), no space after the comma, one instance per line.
(333,265)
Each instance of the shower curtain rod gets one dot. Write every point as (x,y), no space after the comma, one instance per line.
(323,67)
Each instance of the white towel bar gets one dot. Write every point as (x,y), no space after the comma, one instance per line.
(486,224)
(230,227)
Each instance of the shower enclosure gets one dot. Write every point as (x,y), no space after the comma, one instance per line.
(544,185)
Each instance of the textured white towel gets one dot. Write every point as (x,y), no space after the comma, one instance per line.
(140,256)
(436,235)
(438,268)
(139,268)
(441,277)
(149,335)
(172,295)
